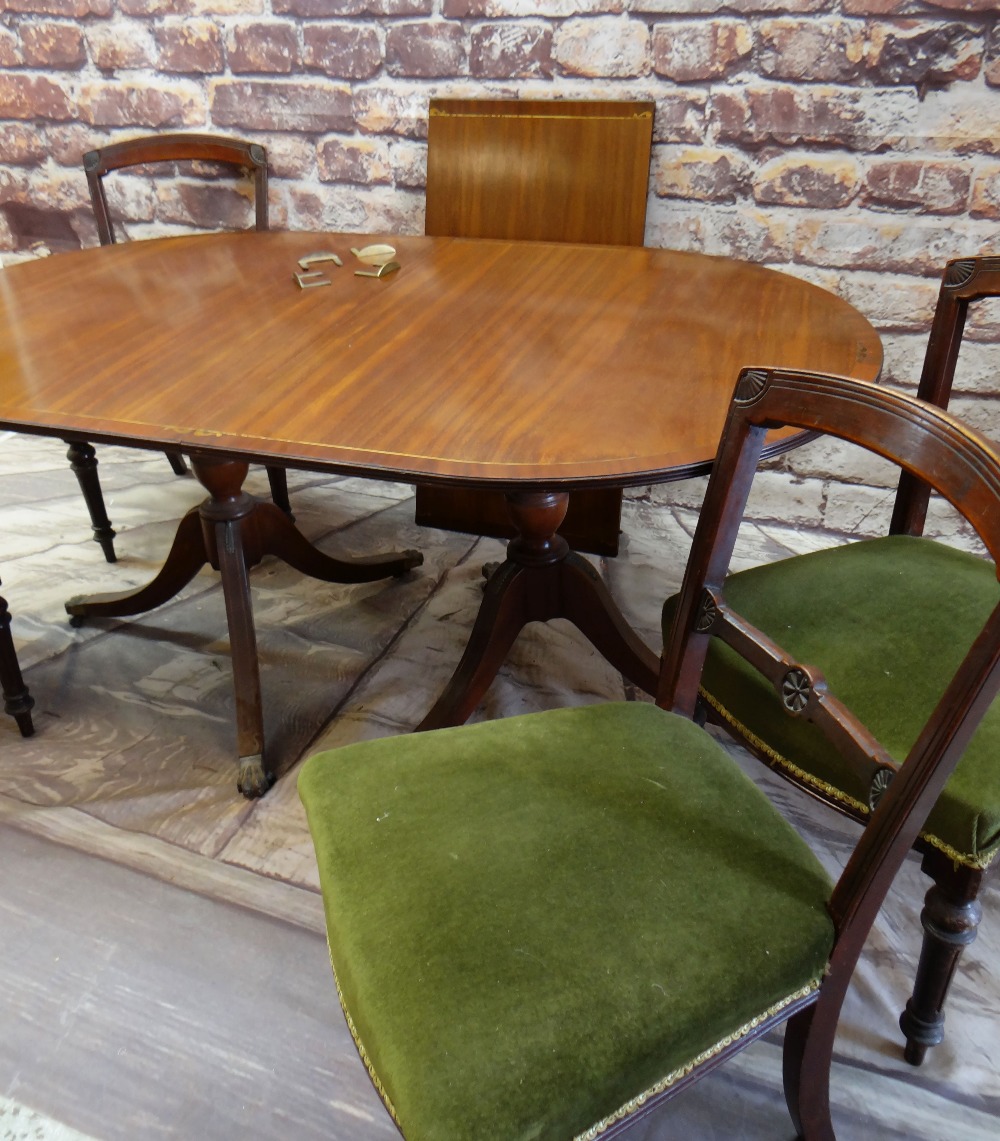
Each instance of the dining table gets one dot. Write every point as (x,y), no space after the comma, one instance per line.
(529,367)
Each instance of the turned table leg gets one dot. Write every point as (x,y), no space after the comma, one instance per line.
(231,531)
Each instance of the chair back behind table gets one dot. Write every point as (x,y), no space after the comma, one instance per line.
(536,170)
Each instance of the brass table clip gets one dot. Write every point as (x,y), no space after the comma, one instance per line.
(382,271)
(316,258)
(311,280)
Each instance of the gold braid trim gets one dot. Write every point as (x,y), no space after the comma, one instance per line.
(828,790)
(359,1045)
(981,861)
(682,1071)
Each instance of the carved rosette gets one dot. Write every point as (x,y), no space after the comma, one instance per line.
(795,690)
(750,386)
(707,613)
(880,782)
(958,272)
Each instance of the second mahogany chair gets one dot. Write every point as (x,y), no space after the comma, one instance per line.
(536,170)
(542,926)
(236,157)
(916,601)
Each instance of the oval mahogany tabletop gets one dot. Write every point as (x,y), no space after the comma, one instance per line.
(534,364)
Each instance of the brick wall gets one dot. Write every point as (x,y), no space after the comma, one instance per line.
(854,143)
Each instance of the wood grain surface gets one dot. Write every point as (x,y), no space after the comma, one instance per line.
(545,365)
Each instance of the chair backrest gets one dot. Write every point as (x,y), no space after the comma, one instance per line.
(965,280)
(538,170)
(217,149)
(935,448)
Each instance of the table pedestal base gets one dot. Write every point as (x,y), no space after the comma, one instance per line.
(231,531)
(540,579)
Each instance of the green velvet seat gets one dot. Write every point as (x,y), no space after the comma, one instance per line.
(887,621)
(516,912)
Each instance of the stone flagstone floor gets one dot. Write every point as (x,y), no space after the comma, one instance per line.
(164,970)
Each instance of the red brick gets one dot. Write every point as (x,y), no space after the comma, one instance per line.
(21,145)
(10,49)
(509,50)
(61,189)
(279,105)
(885,7)
(609,46)
(807,180)
(13,185)
(203,8)
(68,142)
(33,97)
(687,52)
(313,9)
(290,156)
(205,205)
(962,123)
(409,164)
(391,112)
(426,50)
(935,187)
(136,104)
(881,7)
(924,53)
(789,115)
(755,235)
(701,174)
(740,7)
(991,63)
(893,245)
(986,193)
(118,47)
(509,9)
(53,45)
(269,48)
(63,8)
(812,50)
(348,160)
(347,51)
(681,117)
(189,47)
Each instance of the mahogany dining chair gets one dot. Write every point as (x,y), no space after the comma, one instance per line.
(543,926)
(885,620)
(16,699)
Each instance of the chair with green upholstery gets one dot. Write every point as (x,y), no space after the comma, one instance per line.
(886,621)
(543,926)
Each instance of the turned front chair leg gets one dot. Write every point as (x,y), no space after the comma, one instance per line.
(83,461)
(951,922)
(16,699)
